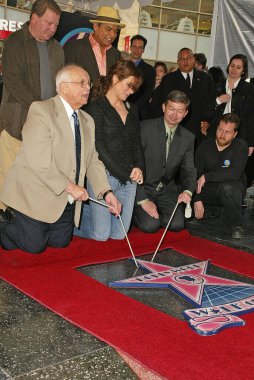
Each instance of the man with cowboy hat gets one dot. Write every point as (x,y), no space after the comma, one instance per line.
(96,53)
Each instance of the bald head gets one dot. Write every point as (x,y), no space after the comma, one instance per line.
(73,84)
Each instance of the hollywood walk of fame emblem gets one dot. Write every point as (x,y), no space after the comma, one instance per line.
(217,301)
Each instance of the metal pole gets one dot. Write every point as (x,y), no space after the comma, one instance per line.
(164,233)
(105,205)
(134,258)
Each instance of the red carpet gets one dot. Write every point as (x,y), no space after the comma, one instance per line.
(161,343)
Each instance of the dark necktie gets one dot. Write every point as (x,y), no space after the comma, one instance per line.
(188,80)
(169,142)
(77,143)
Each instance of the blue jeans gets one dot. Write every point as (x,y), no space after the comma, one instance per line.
(98,223)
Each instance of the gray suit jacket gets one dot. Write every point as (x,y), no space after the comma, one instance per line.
(80,52)
(37,181)
(178,169)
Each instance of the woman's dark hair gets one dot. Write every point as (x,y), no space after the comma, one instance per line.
(201,59)
(244,60)
(162,64)
(122,69)
(217,73)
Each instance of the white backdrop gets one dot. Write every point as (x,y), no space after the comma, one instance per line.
(232,32)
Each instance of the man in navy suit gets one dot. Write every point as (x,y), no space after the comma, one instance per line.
(198,85)
(142,96)
(169,167)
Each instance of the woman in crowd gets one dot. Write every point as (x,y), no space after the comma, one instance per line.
(236,95)
(117,138)
(161,70)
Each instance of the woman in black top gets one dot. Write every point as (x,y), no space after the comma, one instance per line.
(237,96)
(117,139)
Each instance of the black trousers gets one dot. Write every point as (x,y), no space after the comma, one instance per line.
(165,201)
(250,170)
(229,195)
(34,236)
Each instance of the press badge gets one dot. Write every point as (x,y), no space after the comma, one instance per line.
(226,164)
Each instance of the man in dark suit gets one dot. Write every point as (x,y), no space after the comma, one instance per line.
(198,85)
(143,95)
(96,53)
(169,166)
(45,186)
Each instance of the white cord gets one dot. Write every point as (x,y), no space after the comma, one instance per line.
(164,233)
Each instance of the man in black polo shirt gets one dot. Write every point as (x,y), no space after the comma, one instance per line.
(221,181)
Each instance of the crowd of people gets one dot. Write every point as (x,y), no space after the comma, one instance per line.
(87,136)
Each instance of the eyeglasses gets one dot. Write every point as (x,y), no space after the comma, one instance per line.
(82,83)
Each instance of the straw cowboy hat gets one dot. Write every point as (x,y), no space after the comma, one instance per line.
(108,15)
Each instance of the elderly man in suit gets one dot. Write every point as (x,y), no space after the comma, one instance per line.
(198,85)
(96,53)
(45,185)
(169,166)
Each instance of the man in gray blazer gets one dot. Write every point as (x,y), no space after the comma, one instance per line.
(170,174)
(45,186)
(96,53)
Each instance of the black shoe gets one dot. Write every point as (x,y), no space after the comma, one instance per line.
(10,213)
(3,216)
(237,232)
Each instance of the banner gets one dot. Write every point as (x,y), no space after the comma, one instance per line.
(233,32)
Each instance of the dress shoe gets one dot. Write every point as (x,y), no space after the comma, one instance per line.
(237,232)
(3,216)
(10,213)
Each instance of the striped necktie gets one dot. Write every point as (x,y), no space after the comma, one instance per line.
(77,144)
(169,142)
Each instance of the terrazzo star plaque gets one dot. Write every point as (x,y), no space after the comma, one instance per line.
(218,301)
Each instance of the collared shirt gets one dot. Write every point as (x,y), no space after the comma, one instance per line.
(229,92)
(100,55)
(69,112)
(170,130)
(173,130)
(191,76)
(137,62)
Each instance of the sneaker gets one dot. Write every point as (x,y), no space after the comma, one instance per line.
(237,232)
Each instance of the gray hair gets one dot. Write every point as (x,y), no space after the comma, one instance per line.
(177,97)
(64,75)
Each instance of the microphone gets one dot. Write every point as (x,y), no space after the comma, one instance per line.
(188,211)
